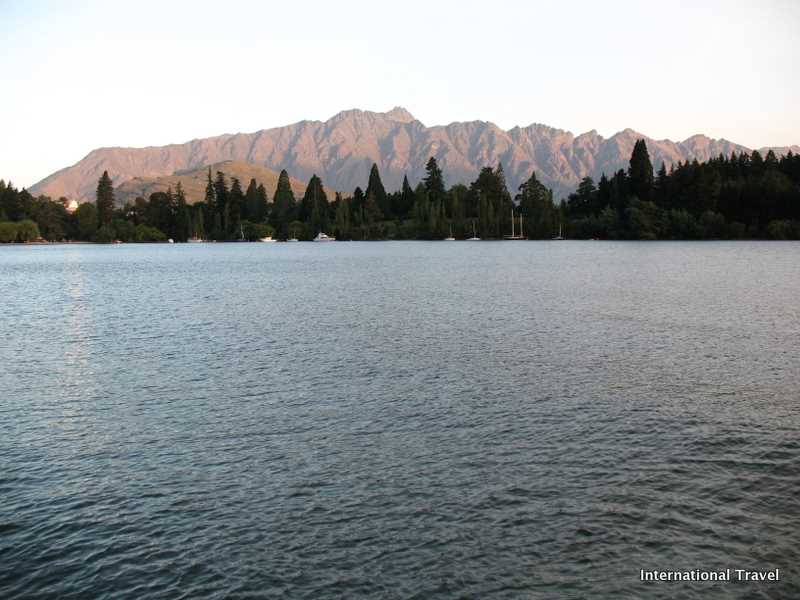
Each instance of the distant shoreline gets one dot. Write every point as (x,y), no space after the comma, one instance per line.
(281,242)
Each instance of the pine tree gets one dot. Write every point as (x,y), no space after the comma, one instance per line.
(422,211)
(490,195)
(770,161)
(457,210)
(160,212)
(405,200)
(211,196)
(619,194)
(236,201)
(375,187)
(640,172)
(660,191)
(250,209)
(434,181)
(283,206)
(210,206)
(343,217)
(537,209)
(372,209)
(262,208)
(314,206)
(183,217)
(105,200)
(357,204)
(221,195)
(198,224)
(582,201)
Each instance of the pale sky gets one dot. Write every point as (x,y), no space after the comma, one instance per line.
(80,75)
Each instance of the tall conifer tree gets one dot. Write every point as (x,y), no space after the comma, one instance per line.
(640,172)
(250,208)
(434,181)
(283,206)
(105,200)
(406,199)
(262,207)
(183,228)
(375,187)
(235,202)
(314,206)
(343,217)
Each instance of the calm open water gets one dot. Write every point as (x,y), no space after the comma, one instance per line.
(398,420)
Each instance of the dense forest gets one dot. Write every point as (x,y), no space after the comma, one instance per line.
(744,196)
(741,196)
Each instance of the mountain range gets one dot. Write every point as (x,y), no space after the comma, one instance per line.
(342,149)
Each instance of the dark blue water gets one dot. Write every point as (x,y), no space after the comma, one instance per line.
(398,420)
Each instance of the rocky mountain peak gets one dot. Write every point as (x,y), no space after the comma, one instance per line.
(400,114)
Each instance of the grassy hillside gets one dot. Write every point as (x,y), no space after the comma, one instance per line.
(194,182)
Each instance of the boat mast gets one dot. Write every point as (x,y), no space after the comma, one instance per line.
(512,222)
(520,225)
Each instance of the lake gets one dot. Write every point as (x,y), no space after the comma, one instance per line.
(398,419)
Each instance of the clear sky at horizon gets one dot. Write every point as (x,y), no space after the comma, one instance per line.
(78,76)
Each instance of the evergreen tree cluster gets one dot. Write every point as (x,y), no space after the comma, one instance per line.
(24,218)
(431,211)
(741,196)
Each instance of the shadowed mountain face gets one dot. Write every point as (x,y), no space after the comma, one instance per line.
(342,149)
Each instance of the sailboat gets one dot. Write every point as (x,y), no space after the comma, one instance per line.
(559,236)
(513,236)
(450,238)
(322,237)
(474,237)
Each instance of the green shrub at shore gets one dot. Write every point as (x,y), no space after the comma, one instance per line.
(20,231)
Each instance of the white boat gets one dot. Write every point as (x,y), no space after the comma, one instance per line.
(474,237)
(170,241)
(323,237)
(559,236)
(292,240)
(269,238)
(195,241)
(450,237)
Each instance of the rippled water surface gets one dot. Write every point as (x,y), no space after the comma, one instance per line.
(398,420)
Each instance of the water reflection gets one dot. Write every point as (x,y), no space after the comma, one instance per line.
(391,420)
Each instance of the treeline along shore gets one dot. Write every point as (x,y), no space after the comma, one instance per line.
(742,196)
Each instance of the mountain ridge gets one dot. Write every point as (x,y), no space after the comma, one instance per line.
(342,149)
